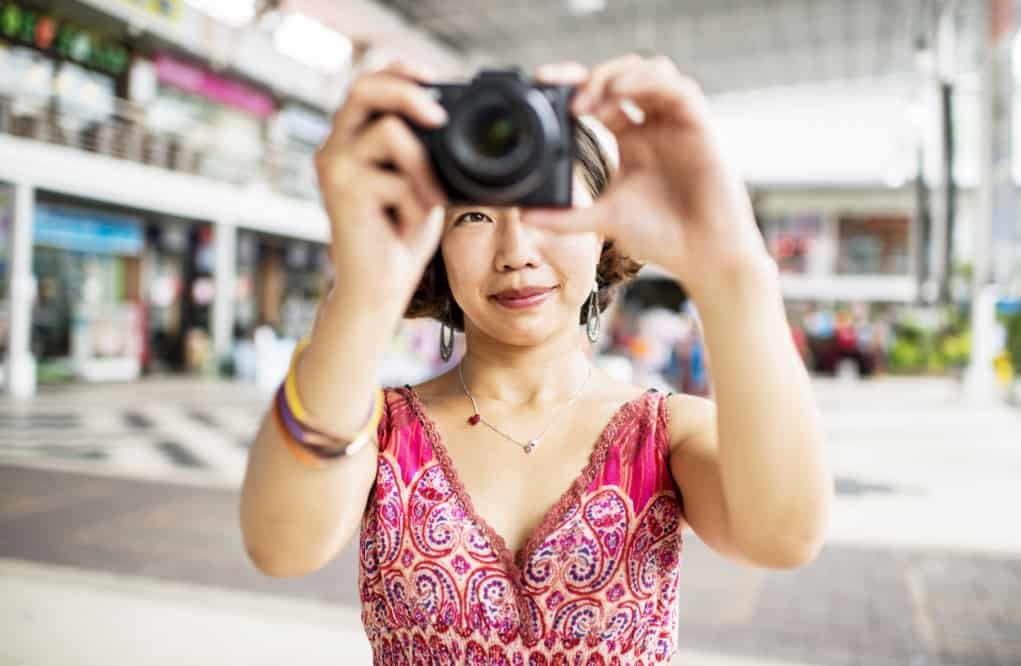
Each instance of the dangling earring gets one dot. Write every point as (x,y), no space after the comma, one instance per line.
(592,314)
(446,344)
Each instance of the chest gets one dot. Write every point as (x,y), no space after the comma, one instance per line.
(512,490)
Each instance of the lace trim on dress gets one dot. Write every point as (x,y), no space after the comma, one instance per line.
(515,562)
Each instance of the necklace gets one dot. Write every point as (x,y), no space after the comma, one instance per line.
(530,445)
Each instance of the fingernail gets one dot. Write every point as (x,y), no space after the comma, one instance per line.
(437,114)
(435,214)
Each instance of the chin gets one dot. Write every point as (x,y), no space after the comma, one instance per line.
(521,334)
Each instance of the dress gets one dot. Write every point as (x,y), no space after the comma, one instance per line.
(596,582)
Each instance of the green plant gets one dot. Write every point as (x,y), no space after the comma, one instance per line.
(1013,325)
(906,355)
(956,349)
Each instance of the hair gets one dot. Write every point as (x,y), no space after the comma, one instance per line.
(432,296)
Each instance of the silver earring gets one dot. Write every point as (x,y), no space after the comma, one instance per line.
(592,315)
(446,342)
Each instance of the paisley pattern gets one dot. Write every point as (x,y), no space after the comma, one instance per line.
(596,584)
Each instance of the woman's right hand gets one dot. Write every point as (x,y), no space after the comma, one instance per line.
(379,188)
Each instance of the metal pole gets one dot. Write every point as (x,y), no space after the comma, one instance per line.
(950,212)
(923,218)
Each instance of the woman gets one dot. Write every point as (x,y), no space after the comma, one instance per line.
(481,542)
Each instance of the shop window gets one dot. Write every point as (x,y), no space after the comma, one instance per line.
(873,245)
(795,241)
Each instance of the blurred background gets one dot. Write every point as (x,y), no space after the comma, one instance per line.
(162,248)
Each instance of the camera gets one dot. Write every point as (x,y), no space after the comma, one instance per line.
(508,140)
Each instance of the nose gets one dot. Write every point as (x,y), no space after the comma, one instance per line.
(515,246)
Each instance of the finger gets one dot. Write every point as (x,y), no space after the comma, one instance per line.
(592,93)
(409,70)
(656,90)
(397,196)
(381,93)
(619,115)
(568,73)
(425,237)
(592,218)
(389,140)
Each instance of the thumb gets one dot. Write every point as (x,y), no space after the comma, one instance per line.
(425,236)
(596,217)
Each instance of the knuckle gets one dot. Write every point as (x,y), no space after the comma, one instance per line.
(392,128)
(357,89)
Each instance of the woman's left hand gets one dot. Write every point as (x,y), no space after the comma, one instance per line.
(674,202)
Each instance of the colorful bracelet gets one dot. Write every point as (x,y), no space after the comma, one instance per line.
(310,442)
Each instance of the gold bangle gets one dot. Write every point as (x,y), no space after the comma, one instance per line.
(324,443)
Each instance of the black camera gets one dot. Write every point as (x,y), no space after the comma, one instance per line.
(508,141)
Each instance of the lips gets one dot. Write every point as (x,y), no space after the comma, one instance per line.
(524,292)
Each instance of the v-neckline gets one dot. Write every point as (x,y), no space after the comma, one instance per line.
(515,562)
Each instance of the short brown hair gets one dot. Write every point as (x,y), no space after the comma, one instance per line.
(432,296)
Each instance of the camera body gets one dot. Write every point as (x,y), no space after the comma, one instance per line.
(508,141)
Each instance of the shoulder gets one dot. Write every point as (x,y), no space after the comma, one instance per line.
(691,418)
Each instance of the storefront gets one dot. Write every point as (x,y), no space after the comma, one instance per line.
(58,79)
(279,283)
(87,320)
(797,242)
(296,132)
(179,289)
(873,245)
(119,294)
(217,124)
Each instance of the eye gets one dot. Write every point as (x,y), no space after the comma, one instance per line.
(472,216)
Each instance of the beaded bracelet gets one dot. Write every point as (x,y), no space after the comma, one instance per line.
(312,444)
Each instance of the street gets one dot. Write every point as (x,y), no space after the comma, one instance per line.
(120,542)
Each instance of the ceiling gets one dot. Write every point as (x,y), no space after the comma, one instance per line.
(728,45)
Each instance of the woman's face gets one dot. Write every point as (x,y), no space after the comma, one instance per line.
(487,250)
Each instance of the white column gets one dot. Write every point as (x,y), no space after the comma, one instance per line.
(20,362)
(995,196)
(224,276)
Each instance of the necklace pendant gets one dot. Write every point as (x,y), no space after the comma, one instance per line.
(473,419)
(531,445)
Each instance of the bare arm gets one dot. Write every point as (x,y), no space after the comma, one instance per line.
(378,191)
(752,467)
(294,518)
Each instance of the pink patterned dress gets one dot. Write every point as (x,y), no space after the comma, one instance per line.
(596,583)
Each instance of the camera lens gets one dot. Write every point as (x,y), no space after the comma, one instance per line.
(496,132)
(493,138)
(499,140)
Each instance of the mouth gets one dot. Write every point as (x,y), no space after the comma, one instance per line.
(522,298)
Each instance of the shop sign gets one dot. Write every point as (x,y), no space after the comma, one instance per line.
(62,38)
(201,82)
(168,9)
(83,230)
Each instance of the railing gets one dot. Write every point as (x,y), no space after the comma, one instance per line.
(120,130)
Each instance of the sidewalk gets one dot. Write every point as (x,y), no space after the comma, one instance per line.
(64,616)
(108,556)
